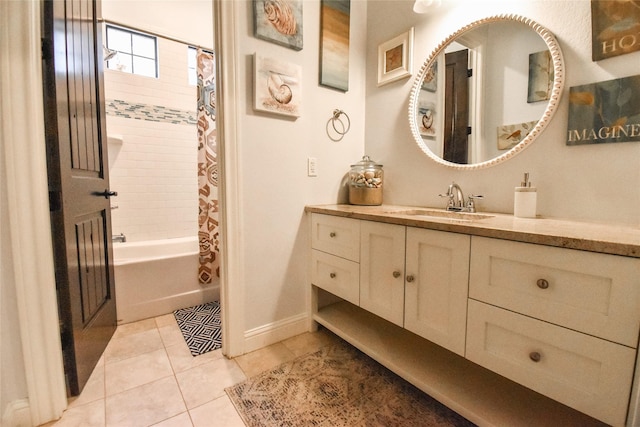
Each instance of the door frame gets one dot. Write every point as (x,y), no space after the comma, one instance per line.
(23,139)
(21,83)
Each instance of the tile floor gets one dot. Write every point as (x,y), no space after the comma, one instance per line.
(147,377)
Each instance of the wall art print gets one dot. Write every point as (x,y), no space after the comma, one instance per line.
(430,81)
(277,86)
(604,112)
(279,21)
(335,16)
(615,28)
(395,58)
(511,135)
(541,76)
(426,119)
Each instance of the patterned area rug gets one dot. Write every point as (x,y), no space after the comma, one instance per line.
(336,386)
(200,326)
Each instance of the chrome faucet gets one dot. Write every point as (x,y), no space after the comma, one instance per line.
(455,199)
(119,238)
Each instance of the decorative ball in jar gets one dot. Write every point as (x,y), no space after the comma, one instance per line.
(365,183)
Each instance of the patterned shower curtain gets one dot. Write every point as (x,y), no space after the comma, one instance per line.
(208,234)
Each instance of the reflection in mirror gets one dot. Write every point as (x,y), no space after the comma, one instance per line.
(486,92)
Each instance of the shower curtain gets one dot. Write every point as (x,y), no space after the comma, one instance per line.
(208,233)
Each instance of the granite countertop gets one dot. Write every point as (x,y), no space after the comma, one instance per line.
(593,237)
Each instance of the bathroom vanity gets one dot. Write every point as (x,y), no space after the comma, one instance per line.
(507,321)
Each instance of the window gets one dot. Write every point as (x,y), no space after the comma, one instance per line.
(137,52)
(191,66)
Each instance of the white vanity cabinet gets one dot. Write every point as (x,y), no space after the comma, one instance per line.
(501,331)
(563,322)
(382,249)
(335,256)
(437,273)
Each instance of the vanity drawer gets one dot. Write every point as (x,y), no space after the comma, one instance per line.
(337,275)
(597,294)
(583,372)
(336,235)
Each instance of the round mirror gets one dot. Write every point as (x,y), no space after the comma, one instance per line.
(486,92)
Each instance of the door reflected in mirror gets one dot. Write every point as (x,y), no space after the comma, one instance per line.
(486,92)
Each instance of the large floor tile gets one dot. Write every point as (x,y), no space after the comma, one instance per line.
(171,335)
(134,344)
(182,359)
(180,420)
(88,415)
(217,413)
(206,382)
(310,342)
(135,371)
(134,328)
(145,405)
(264,359)
(93,389)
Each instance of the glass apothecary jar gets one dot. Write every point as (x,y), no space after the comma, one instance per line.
(365,183)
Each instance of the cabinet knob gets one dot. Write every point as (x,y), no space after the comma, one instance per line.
(332,234)
(332,275)
(396,274)
(535,356)
(542,283)
(410,278)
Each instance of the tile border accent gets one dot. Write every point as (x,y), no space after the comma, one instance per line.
(152,113)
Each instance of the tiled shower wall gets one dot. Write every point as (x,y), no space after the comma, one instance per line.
(151,124)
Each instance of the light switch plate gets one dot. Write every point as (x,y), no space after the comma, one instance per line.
(312,166)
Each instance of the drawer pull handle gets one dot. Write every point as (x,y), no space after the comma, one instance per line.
(332,234)
(396,274)
(535,356)
(332,275)
(542,284)
(410,278)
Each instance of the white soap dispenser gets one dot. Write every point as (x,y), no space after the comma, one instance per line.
(525,199)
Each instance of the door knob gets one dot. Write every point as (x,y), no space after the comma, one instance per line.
(106,193)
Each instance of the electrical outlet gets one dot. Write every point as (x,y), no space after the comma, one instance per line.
(312,166)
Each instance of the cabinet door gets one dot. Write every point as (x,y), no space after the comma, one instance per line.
(437,274)
(382,270)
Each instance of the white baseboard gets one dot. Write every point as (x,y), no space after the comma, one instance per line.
(17,414)
(272,333)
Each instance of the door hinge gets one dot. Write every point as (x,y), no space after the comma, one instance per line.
(47,49)
(470,72)
(55,201)
(468,130)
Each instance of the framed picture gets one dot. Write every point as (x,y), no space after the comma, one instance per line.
(278,21)
(277,86)
(395,58)
(603,112)
(510,135)
(335,18)
(614,28)
(430,81)
(541,76)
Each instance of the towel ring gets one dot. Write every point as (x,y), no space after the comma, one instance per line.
(336,116)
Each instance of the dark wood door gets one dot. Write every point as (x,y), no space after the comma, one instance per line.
(456,107)
(78,179)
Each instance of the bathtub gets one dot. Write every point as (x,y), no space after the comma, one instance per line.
(156,277)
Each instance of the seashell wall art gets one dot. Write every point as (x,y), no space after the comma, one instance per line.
(278,21)
(277,86)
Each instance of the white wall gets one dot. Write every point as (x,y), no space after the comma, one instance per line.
(273,155)
(590,182)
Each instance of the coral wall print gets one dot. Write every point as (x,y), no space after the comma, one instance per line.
(615,27)
(277,86)
(335,18)
(541,76)
(279,21)
(607,111)
(510,135)
(395,58)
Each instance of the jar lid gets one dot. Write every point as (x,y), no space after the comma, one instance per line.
(366,162)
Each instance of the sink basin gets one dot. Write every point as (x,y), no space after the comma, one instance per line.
(439,213)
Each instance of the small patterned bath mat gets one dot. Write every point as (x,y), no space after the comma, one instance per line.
(337,386)
(200,326)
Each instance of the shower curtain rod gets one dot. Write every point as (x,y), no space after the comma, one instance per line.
(153,33)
